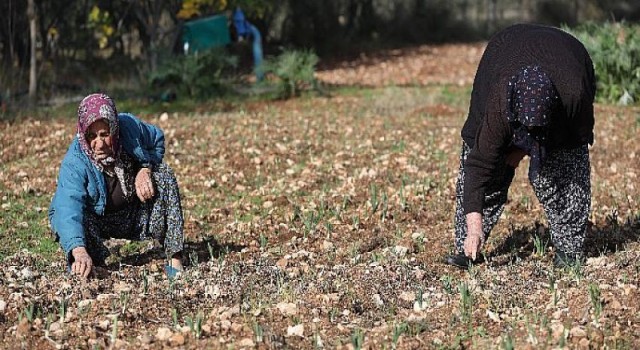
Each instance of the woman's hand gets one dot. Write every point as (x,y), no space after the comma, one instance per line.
(475,236)
(144,185)
(82,263)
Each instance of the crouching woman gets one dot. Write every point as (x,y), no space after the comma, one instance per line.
(113,184)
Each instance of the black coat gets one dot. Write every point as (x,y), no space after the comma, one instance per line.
(487,130)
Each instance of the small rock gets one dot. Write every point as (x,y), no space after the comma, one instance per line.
(23,327)
(227,314)
(225,324)
(326,245)
(69,317)
(297,330)
(330,298)
(120,344)
(584,343)
(3,305)
(282,263)
(597,336)
(318,342)
(419,306)
(54,327)
(122,287)
(26,273)
(246,343)
(557,331)
(164,333)
(164,117)
(146,339)
(212,292)
(400,250)
(408,296)
(177,339)
(415,318)
(104,324)
(493,316)
(236,327)
(614,303)
(577,332)
(378,300)
(103,297)
(267,205)
(287,309)
(82,304)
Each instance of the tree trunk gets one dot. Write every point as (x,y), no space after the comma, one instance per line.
(577,7)
(31,14)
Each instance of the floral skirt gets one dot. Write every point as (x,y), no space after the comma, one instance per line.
(562,185)
(160,218)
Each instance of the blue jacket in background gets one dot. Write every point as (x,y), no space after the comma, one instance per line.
(82,187)
(247,30)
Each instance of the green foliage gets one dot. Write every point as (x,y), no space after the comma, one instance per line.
(23,222)
(596,300)
(466,302)
(615,51)
(194,8)
(200,75)
(295,70)
(357,339)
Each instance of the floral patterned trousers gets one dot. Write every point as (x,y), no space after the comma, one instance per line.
(160,218)
(563,187)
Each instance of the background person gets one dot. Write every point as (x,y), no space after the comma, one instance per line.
(246,30)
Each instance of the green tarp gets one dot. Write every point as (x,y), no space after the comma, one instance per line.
(206,33)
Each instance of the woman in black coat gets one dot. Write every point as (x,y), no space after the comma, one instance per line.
(532,96)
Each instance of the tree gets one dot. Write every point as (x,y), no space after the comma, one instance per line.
(33,81)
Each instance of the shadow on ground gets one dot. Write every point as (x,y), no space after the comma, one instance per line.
(194,252)
(601,240)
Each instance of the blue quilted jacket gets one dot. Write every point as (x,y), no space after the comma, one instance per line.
(82,187)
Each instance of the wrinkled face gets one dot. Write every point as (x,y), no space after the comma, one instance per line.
(98,136)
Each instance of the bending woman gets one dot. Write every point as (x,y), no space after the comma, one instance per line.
(532,96)
(113,184)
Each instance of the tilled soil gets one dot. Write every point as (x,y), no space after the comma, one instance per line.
(321,222)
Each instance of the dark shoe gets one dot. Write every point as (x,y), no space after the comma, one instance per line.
(460,260)
(564,260)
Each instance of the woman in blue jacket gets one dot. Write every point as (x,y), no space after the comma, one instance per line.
(113,184)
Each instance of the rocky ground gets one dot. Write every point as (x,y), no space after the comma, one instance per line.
(321,222)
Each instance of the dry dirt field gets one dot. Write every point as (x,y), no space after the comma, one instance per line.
(321,223)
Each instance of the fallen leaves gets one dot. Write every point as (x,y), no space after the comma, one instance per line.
(290,246)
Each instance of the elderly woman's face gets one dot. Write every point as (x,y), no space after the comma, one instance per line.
(99,137)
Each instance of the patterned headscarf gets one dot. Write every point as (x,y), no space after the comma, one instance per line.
(101,107)
(93,108)
(531,100)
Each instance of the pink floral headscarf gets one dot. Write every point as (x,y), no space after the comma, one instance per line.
(101,107)
(93,108)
